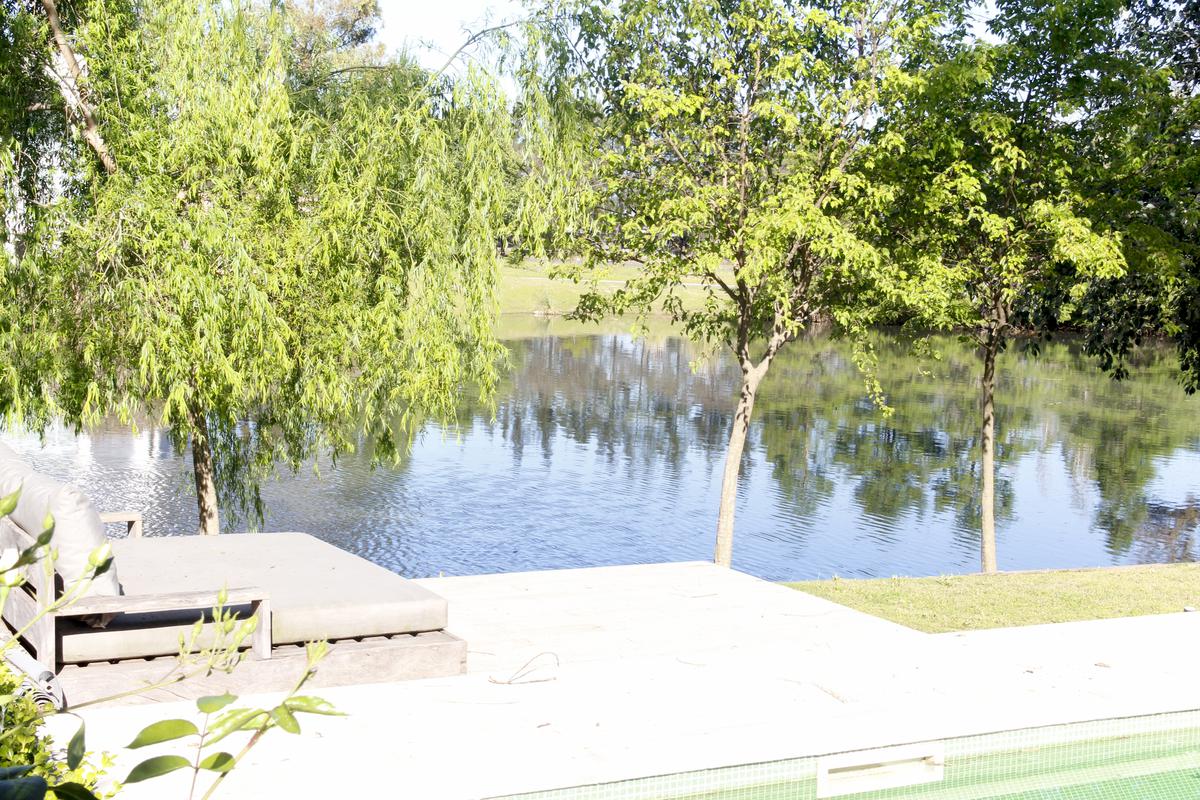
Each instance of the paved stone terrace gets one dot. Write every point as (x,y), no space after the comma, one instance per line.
(591,675)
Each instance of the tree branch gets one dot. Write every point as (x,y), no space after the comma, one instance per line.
(472,39)
(358,68)
(724,286)
(70,84)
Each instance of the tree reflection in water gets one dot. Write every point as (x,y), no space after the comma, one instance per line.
(642,401)
(605,449)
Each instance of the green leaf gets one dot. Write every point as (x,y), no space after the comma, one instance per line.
(163,731)
(8,773)
(214,703)
(73,791)
(232,721)
(32,788)
(31,554)
(218,762)
(284,719)
(9,503)
(75,748)
(312,705)
(154,767)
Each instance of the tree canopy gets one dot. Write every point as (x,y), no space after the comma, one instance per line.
(293,249)
(993,217)
(730,144)
(1140,161)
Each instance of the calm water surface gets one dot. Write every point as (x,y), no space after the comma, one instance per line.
(607,449)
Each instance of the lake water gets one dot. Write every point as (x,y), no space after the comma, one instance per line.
(608,449)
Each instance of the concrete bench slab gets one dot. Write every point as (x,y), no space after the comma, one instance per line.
(317,592)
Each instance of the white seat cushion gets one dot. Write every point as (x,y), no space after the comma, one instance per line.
(317,591)
(78,530)
(13,470)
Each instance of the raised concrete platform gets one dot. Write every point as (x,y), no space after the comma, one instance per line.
(401,657)
(584,676)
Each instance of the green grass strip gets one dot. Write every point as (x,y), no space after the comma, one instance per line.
(972,602)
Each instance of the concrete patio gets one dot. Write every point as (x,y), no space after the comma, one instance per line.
(592,675)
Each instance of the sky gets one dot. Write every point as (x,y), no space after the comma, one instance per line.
(433,29)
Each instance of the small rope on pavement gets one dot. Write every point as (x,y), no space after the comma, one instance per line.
(521,675)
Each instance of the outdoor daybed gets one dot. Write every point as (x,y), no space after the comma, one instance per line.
(125,632)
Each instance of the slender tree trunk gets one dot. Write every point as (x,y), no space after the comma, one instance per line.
(723,555)
(987,442)
(69,84)
(202,467)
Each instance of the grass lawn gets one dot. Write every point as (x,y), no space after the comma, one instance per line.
(971,602)
(528,288)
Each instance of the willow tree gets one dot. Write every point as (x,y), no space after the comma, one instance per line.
(269,275)
(729,145)
(994,221)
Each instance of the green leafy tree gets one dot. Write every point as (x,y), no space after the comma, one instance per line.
(1142,147)
(994,220)
(273,244)
(727,144)
(32,123)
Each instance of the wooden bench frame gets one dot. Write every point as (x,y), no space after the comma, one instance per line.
(37,594)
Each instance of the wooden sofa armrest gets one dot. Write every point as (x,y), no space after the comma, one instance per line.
(258,599)
(132,520)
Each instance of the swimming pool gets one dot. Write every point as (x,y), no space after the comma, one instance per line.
(1153,757)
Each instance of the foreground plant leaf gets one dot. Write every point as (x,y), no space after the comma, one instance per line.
(232,721)
(285,719)
(214,703)
(32,788)
(154,767)
(163,731)
(312,705)
(9,503)
(75,748)
(73,791)
(218,762)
